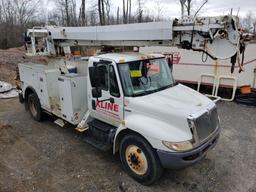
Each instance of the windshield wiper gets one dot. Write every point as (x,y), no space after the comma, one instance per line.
(139,94)
(165,87)
(153,91)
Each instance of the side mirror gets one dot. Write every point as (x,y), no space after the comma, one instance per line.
(93,74)
(96,92)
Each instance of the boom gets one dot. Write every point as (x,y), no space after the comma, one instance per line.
(218,37)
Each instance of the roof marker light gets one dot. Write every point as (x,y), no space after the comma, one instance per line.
(121,60)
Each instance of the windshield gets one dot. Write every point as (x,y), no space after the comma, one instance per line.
(145,77)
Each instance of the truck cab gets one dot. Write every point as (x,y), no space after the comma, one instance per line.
(137,92)
(130,103)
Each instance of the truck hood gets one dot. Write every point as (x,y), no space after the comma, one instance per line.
(179,99)
(171,106)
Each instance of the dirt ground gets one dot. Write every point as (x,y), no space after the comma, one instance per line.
(9,60)
(44,157)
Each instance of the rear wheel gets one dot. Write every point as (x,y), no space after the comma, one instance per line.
(140,160)
(34,107)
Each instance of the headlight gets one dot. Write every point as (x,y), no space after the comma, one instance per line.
(180,146)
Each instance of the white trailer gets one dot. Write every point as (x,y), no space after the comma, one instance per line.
(129,102)
(191,67)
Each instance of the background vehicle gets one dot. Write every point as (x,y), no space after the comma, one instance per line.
(193,68)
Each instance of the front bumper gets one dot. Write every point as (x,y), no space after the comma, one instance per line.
(178,160)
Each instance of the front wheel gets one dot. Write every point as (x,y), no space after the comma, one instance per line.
(140,160)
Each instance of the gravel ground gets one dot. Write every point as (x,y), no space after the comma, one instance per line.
(44,157)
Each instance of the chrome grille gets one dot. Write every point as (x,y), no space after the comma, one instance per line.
(206,124)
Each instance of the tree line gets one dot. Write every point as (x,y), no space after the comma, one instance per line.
(18,15)
(15,16)
(100,12)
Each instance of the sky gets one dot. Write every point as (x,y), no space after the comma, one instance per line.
(171,8)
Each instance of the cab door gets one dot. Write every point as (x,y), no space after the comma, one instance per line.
(108,107)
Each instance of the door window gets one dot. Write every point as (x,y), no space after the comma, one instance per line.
(103,77)
(108,80)
(113,85)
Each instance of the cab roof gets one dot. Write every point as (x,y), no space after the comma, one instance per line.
(128,56)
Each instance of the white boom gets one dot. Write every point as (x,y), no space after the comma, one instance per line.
(216,36)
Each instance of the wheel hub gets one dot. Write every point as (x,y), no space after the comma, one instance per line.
(32,108)
(136,160)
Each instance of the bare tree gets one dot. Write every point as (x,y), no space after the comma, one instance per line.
(117,16)
(15,16)
(82,16)
(188,5)
(124,12)
(67,12)
(254,26)
(185,4)
(159,9)
(25,10)
(92,16)
(9,12)
(101,10)
(127,11)
(55,18)
(1,13)
(73,13)
(107,5)
(140,11)
(249,22)
(130,11)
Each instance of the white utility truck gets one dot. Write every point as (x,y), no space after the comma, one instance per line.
(129,102)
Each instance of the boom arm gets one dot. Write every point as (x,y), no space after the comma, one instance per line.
(216,36)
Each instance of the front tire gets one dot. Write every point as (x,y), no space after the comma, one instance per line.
(140,160)
(34,107)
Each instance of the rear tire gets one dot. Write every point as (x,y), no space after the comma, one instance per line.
(34,107)
(140,160)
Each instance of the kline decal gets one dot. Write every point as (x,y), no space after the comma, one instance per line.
(108,106)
